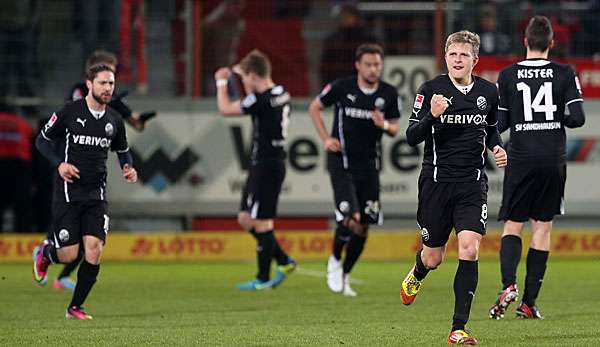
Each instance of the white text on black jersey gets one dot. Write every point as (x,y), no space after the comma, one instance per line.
(535,73)
(87,140)
(476,119)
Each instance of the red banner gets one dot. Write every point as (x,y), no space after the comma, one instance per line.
(587,69)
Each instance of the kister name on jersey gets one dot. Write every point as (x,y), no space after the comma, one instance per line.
(535,73)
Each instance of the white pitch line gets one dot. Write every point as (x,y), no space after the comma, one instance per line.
(321,274)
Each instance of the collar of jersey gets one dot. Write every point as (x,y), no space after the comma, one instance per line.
(534,62)
(367,91)
(461,88)
(97,115)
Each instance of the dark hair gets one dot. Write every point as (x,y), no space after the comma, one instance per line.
(257,62)
(349,9)
(94,70)
(101,56)
(368,48)
(539,33)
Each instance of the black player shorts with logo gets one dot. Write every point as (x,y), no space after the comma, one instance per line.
(73,220)
(355,191)
(447,205)
(532,191)
(261,192)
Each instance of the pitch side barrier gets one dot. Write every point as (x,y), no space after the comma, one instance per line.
(303,245)
(195,164)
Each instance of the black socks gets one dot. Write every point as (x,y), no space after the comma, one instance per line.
(340,239)
(50,253)
(536,268)
(279,254)
(86,277)
(264,253)
(353,251)
(465,283)
(510,255)
(420,270)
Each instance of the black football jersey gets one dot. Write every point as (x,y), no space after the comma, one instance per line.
(352,122)
(455,143)
(84,141)
(533,95)
(270,112)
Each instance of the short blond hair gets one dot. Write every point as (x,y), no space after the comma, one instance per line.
(464,36)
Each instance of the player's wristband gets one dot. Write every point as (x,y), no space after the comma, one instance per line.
(386,125)
(221,82)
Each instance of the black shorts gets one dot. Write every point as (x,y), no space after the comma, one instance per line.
(355,191)
(535,192)
(72,220)
(261,192)
(447,205)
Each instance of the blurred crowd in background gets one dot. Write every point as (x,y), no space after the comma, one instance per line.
(164,47)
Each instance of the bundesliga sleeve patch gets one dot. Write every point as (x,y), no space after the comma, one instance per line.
(578,85)
(419,101)
(51,122)
(249,100)
(326,89)
(77,94)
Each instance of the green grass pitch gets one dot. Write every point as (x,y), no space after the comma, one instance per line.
(169,304)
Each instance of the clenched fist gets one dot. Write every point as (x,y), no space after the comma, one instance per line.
(439,104)
(223,73)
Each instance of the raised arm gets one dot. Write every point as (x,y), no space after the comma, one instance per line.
(425,113)
(226,106)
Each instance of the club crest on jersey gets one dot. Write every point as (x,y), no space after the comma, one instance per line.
(419,101)
(109,129)
(344,207)
(481,103)
(63,235)
(424,234)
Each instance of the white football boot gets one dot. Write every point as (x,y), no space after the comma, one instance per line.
(335,274)
(348,291)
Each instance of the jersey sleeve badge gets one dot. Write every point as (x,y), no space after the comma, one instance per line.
(419,101)
(51,122)
(249,100)
(578,85)
(326,89)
